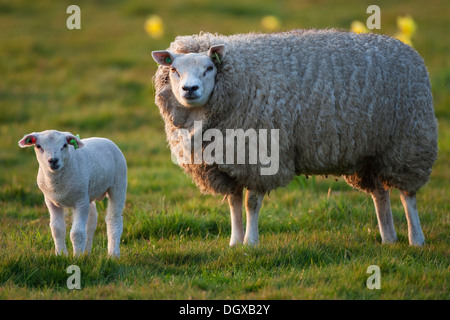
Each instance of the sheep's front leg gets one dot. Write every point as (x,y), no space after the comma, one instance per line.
(58,227)
(78,231)
(237,229)
(91,226)
(415,234)
(384,215)
(253,201)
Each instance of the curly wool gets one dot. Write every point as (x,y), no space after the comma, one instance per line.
(357,105)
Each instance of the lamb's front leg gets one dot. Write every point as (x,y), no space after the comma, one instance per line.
(58,227)
(91,226)
(253,201)
(237,229)
(78,231)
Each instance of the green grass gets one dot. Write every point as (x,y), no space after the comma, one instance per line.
(318,236)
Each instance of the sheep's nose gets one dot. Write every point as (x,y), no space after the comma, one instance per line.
(190,89)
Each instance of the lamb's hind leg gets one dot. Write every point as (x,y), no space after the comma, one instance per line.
(114,221)
(237,230)
(382,203)
(253,201)
(415,234)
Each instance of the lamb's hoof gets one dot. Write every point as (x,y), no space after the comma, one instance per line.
(235,243)
(62,253)
(251,242)
(114,255)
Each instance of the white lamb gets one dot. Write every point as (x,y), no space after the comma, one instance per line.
(74,177)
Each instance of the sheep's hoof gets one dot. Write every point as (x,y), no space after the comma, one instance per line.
(418,241)
(389,242)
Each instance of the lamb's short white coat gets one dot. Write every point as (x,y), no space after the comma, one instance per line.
(74,173)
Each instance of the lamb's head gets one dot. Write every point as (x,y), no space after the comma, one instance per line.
(51,147)
(192,75)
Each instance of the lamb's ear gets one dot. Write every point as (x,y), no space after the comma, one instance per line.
(216,53)
(75,141)
(164,58)
(28,140)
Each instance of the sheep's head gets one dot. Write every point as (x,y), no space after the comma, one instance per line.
(51,147)
(192,75)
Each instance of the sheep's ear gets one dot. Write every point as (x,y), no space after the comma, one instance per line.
(216,53)
(164,58)
(75,141)
(28,140)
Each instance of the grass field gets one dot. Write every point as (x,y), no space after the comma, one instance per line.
(318,236)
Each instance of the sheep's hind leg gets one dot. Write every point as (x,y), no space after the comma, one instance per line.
(253,201)
(91,226)
(384,215)
(415,234)
(237,230)
(58,227)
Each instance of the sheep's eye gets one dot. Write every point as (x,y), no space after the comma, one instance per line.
(38,146)
(65,145)
(174,71)
(210,68)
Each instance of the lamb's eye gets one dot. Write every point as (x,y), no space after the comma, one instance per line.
(65,145)
(175,71)
(38,146)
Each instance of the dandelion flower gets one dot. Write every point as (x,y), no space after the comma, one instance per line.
(154,27)
(404,38)
(407,26)
(270,23)
(358,27)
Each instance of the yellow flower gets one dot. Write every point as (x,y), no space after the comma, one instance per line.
(404,38)
(407,26)
(154,26)
(358,27)
(270,23)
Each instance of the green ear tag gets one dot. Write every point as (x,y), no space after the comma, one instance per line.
(215,57)
(168,60)
(74,142)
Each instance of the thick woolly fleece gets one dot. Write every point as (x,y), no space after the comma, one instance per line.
(357,105)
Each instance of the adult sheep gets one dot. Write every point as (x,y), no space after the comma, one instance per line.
(356,105)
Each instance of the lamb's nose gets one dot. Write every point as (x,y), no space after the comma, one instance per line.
(53,161)
(190,89)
